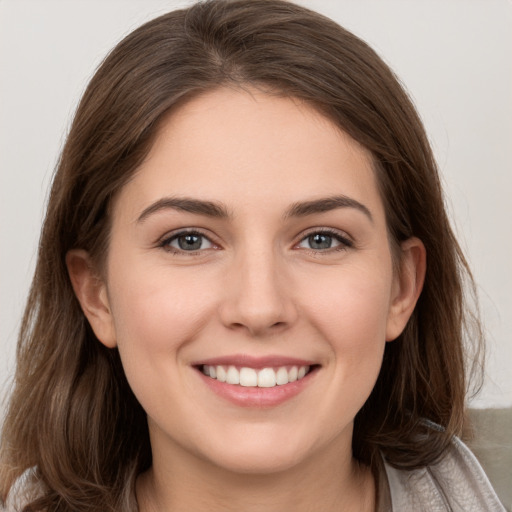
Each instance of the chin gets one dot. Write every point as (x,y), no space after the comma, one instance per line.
(257,455)
(258,463)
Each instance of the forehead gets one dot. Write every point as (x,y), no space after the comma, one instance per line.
(250,148)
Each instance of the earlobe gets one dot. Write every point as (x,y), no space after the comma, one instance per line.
(91,292)
(407,286)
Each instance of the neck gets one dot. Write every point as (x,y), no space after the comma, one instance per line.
(327,483)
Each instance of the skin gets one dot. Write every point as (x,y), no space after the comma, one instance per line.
(257,287)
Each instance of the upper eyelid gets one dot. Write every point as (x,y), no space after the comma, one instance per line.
(170,235)
(325,230)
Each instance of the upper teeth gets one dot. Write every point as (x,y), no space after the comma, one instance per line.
(249,377)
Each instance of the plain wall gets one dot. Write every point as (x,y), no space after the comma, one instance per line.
(454,56)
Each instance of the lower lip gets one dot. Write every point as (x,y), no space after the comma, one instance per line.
(258,397)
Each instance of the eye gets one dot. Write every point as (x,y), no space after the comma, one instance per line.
(325,240)
(189,241)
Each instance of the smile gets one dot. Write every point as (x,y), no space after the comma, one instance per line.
(251,377)
(261,382)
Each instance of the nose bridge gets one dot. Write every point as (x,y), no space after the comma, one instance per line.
(257,296)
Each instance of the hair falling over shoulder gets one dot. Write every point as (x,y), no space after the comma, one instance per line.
(74,434)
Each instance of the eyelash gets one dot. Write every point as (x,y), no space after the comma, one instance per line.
(344,242)
(165,242)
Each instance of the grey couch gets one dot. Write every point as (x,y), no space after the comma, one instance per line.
(492,444)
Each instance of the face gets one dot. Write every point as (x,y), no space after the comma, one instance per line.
(251,246)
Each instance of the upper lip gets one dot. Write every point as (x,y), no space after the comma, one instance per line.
(246,360)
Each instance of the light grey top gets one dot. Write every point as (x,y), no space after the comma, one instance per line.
(455,484)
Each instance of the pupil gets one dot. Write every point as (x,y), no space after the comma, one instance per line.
(189,242)
(320,241)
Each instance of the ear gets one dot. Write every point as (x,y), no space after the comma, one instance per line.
(91,292)
(407,286)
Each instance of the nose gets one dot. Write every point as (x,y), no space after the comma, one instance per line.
(257,295)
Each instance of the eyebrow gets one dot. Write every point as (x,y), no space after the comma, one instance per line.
(218,210)
(186,204)
(302,209)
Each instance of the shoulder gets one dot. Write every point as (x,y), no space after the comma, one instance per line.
(457,483)
(25,489)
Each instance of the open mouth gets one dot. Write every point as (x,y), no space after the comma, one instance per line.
(250,381)
(252,377)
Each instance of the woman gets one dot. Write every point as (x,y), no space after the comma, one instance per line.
(232,308)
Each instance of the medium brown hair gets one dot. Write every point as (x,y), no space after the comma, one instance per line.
(73,421)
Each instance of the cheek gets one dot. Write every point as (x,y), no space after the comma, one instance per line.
(153,306)
(351,306)
(351,315)
(156,314)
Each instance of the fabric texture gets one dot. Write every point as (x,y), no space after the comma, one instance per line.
(455,484)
